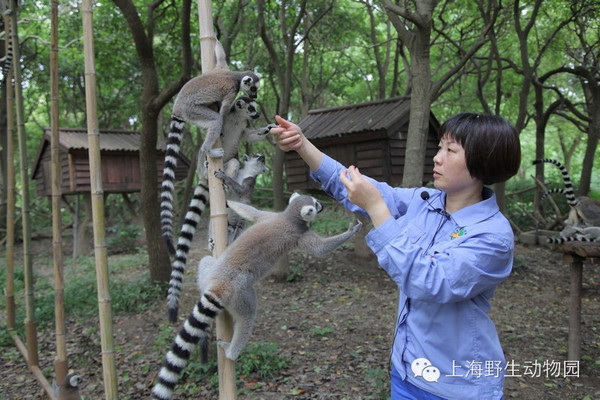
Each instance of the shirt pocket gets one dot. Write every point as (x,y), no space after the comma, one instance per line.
(413,232)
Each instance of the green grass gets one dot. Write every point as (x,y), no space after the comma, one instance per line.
(130,289)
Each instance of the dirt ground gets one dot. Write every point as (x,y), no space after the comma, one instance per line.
(333,325)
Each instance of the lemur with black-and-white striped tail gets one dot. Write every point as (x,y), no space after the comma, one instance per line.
(583,221)
(194,104)
(240,181)
(576,234)
(227,282)
(236,127)
(584,211)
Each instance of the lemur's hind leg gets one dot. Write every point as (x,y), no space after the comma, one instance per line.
(243,311)
(204,117)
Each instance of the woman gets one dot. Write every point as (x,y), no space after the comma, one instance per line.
(447,249)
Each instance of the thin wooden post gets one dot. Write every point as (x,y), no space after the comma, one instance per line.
(10,193)
(60,361)
(574,342)
(104,307)
(218,211)
(30,326)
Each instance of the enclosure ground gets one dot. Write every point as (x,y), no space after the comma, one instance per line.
(333,324)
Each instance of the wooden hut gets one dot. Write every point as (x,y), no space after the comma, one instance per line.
(371,136)
(119,153)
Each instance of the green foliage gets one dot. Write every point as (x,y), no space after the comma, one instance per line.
(258,358)
(333,219)
(379,379)
(261,358)
(324,332)
(123,238)
(130,289)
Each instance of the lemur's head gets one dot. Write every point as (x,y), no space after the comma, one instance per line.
(306,206)
(254,165)
(73,380)
(250,84)
(247,106)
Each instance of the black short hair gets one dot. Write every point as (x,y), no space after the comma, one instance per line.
(491,143)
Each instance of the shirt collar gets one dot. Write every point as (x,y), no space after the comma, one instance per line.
(476,212)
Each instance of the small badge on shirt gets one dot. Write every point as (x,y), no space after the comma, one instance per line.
(458,232)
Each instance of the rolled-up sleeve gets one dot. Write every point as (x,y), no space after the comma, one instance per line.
(328,176)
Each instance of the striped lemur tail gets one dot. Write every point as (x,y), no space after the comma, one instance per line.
(188,229)
(196,328)
(166,205)
(568,190)
(552,191)
(563,239)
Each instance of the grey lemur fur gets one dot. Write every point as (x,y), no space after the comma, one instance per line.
(240,181)
(228,282)
(239,185)
(236,127)
(193,104)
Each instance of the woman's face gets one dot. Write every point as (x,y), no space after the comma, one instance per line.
(450,172)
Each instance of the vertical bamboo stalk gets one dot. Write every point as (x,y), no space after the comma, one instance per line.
(10,193)
(60,360)
(30,326)
(104,306)
(218,211)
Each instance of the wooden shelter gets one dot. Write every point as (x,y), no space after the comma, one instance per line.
(119,152)
(371,136)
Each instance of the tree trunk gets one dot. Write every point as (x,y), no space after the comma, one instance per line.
(158,256)
(420,107)
(152,101)
(592,142)
(84,232)
(361,249)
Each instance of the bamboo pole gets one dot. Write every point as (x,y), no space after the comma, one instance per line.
(104,306)
(30,326)
(218,211)
(35,370)
(10,193)
(60,361)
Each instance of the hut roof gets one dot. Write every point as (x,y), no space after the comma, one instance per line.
(375,116)
(110,140)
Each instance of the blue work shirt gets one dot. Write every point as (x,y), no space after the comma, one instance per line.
(447,268)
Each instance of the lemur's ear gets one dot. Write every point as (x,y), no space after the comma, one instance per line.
(293,196)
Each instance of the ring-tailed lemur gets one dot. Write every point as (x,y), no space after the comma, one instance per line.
(235,127)
(194,105)
(239,186)
(240,182)
(69,388)
(576,234)
(585,211)
(228,282)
